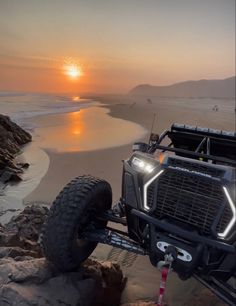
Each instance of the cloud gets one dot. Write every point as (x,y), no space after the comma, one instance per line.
(29,62)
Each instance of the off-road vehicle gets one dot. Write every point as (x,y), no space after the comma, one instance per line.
(178,195)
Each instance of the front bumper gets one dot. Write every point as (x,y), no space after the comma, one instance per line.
(198,248)
(191,236)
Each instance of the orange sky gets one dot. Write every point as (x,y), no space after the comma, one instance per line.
(117,44)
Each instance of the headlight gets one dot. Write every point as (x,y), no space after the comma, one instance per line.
(145,187)
(233,220)
(142,165)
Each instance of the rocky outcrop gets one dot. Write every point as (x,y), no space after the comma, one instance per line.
(12,137)
(35,282)
(28,279)
(23,231)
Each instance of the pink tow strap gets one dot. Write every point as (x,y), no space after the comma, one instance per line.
(164,275)
(165,267)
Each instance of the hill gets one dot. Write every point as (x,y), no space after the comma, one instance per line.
(190,89)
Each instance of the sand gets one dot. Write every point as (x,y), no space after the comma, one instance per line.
(143,279)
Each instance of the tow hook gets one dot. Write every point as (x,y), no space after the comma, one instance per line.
(182,254)
(164,266)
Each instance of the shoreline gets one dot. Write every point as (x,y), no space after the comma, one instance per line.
(25,191)
(12,198)
(89,129)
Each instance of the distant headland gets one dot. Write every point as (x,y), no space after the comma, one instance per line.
(224,88)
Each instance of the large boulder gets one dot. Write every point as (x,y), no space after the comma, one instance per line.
(35,282)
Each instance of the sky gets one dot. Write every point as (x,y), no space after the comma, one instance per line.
(114,45)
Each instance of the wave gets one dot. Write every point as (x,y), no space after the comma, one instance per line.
(11,94)
(50,111)
(22,106)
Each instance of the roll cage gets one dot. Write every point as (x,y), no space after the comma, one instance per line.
(210,145)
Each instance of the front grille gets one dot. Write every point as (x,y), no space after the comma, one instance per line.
(224,219)
(194,166)
(191,199)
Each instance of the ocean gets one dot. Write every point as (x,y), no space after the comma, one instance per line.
(62,124)
(20,106)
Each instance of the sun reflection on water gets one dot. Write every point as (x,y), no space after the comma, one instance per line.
(75,98)
(76,122)
(87,129)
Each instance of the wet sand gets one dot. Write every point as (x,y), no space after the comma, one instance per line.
(84,130)
(143,279)
(12,195)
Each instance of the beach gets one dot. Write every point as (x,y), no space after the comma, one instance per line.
(129,119)
(107,162)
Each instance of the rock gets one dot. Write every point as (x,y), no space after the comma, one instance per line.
(16,252)
(28,223)
(110,272)
(58,291)
(23,230)
(10,175)
(36,282)
(110,278)
(12,137)
(35,271)
(29,281)
(8,238)
(23,165)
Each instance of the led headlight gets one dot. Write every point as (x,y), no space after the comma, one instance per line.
(142,165)
(145,187)
(233,220)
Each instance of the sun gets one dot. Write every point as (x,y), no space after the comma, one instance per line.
(73,71)
(72,68)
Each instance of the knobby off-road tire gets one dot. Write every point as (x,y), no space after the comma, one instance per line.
(71,213)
